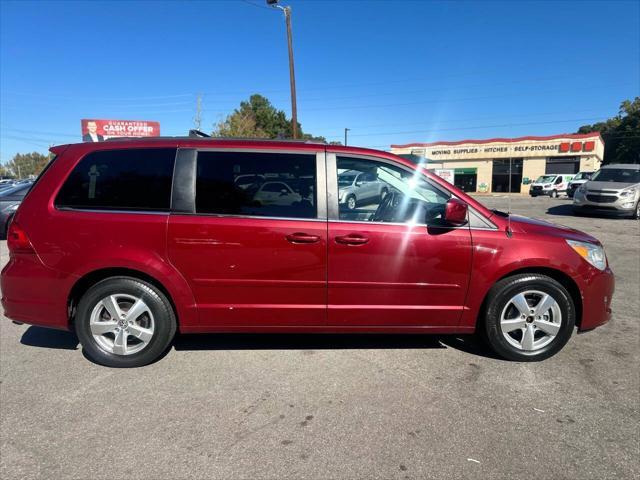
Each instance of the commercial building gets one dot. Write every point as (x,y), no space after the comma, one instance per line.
(500,164)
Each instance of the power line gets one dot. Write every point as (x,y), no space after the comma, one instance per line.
(447,100)
(477,127)
(106,99)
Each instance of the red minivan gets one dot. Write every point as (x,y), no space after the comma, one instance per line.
(128,241)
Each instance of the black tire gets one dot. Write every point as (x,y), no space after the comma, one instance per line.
(348,203)
(159,305)
(636,215)
(498,298)
(554,194)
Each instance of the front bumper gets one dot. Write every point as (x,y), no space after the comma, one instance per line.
(597,292)
(614,205)
(536,192)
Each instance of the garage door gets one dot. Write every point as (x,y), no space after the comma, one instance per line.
(565,165)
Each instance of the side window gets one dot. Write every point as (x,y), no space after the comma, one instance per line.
(558,181)
(386,193)
(133,179)
(256,184)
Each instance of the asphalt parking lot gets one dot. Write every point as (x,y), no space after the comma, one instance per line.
(328,406)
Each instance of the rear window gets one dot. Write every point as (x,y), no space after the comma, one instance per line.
(135,179)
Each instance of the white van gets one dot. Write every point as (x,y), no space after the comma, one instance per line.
(550,184)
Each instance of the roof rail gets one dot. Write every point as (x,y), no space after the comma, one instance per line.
(204,136)
(198,133)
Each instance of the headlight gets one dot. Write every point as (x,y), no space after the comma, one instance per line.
(592,253)
(630,192)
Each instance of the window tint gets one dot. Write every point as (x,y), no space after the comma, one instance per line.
(387,194)
(257,184)
(135,179)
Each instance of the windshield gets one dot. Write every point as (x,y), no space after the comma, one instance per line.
(345,180)
(545,178)
(582,176)
(621,175)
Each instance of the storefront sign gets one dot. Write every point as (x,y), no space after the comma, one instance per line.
(509,150)
(446,174)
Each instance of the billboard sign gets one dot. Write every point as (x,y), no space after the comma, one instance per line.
(94,130)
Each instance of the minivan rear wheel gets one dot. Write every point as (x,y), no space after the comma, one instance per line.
(529,317)
(124,322)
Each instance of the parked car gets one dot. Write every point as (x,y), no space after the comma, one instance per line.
(614,189)
(359,188)
(551,185)
(126,267)
(10,200)
(276,193)
(580,179)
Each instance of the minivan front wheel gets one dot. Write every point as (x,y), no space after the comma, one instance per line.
(529,317)
(124,322)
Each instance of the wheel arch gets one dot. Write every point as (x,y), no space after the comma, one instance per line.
(85,282)
(558,275)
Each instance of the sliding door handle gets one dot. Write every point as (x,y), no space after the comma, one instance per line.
(351,239)
(300,237)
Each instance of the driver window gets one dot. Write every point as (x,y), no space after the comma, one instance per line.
(386,193)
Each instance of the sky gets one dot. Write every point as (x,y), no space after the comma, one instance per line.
(392,72)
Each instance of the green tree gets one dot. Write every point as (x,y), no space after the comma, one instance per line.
(4,171)
(621,134)
(258,118)
(23,165)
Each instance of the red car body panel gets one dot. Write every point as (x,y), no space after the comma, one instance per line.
(403,275)
(245,271)
(226,273)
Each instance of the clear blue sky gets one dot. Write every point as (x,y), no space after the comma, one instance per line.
(391,71)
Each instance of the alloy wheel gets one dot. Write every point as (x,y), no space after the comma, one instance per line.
(122,324)
(531,320)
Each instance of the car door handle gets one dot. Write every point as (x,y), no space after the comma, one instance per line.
(351,239)
(300,237)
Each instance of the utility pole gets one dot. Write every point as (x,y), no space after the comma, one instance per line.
(292,75)
(346,130)
(197,119)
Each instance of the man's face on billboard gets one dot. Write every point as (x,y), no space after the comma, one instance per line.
(92,127)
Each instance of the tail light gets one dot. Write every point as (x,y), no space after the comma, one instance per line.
(17,240)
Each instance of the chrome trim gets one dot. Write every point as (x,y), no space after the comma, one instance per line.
(93,210)
(412,225)
(333,209)
(254,217)
(293,151)
(321,185)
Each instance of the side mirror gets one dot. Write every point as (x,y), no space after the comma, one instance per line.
(455,212)
(283,192)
